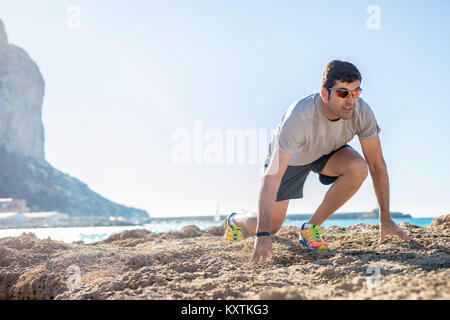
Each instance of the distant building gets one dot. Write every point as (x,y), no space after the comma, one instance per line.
(117,218)
(14,213)
(13,205)
(51,217)
(12,218)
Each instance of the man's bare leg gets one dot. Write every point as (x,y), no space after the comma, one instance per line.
(352,171)
(249,221)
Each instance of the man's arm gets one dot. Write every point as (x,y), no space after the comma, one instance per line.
(267,196)
(378,170)
(269,189)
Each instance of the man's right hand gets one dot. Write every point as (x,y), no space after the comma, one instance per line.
(262,248)
(268,194)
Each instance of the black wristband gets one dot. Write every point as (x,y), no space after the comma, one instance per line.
(263,234)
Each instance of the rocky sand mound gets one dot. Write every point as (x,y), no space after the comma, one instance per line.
(196,264)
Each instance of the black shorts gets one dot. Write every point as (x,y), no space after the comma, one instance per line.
(293,180)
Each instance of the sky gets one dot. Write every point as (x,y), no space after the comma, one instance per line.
(143,98)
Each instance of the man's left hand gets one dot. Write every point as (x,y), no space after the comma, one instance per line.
(390,228)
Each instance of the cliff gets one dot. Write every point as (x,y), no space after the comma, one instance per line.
(21,97)
(24,172)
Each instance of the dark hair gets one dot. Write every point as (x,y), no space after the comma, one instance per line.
(338,70)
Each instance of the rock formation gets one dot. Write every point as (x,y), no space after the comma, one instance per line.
(24,172)
(3,36)
(21,96)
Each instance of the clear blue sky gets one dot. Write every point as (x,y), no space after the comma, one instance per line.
(135,72)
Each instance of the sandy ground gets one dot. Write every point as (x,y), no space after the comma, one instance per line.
(195,264)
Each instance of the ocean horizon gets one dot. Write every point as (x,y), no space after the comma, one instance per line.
(99,233)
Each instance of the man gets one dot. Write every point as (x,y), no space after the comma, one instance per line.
(313,136)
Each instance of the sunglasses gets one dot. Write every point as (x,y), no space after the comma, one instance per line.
(344,93)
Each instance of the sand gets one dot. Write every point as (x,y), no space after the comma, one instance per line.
(196,264)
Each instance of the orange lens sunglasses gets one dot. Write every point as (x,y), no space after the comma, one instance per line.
(344,93)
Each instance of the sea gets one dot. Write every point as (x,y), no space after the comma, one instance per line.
(96,234)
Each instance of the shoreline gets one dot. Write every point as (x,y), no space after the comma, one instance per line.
(71,226)
(187,218)
(200,265)
(91,234)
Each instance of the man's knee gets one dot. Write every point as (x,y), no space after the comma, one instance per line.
(359,168)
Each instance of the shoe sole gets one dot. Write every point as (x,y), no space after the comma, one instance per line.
(303,242)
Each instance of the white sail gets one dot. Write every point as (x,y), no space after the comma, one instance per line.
(217,216)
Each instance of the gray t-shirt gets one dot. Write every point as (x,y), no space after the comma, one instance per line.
(307,134)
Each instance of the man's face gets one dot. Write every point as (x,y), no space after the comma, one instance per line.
(342,107)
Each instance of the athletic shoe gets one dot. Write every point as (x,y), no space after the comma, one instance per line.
(310,238)
(232,233)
